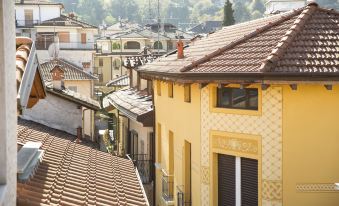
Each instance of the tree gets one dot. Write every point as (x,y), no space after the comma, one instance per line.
(241,13)
(257,5)
(228,14)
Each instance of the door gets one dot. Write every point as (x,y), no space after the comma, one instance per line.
(28,17)
(83,38)
(226,180)
(237,181)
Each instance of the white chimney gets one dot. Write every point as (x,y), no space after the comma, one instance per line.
(58,77)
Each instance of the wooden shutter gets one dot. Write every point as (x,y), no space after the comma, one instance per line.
(64,37)
(226,180)
(28,17)
(249,182)
(83,38)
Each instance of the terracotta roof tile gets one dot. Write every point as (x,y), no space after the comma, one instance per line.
(67,21)
(298,42)
(72,72)
(76,174)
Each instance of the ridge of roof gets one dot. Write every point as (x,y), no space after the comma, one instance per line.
(286,40)
(241,40)
(45,70)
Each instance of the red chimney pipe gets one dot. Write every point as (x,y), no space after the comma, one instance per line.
(180,48)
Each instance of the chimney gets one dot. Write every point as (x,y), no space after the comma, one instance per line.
(79,135)
(71,15)
(180,48)
(58,77)
(86,65)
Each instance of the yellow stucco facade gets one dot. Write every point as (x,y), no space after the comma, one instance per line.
(293,135)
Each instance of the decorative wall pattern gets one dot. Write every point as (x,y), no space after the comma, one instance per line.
(314,187)
(268,125)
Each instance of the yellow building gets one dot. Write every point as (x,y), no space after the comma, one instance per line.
(248,115)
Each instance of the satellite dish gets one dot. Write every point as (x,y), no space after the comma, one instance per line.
(54,48)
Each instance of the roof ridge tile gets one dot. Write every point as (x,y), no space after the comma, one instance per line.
(241,40)
(288,38)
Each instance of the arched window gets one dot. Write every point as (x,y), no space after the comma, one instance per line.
(157,45)
(115,46)
(132,45)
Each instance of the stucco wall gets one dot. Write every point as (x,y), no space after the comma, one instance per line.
(75,56)
(8,119)
(143,136)
(46,12)
(56,113)
(311,145)
(183,119)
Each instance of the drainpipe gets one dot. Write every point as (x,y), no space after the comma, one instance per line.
(153,146)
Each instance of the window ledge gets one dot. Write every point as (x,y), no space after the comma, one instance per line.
(168,202)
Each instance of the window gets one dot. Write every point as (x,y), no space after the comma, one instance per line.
(187,93)
(73,88)
(237,98)
(149,87)
(157,45)
(115,46)
(116,63)
(28,17)
(159,143)
(101,62)
(237,181)
(170,89)
(132,45)
(64,37)
(158,88)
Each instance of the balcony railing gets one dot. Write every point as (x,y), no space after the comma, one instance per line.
(145,166)
(167,186)
(181,201)
(44,45)
(26,23)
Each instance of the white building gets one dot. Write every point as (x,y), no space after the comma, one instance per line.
(278,6)
(44,22)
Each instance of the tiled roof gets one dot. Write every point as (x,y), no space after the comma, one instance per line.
(72,72)
(135,104)
(67,21)
(74,97)
(30,86)
(119,82)
(35,2)
(206,27)
(297,42)
(74,174)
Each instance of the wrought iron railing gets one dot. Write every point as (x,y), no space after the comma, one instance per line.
(145,167)
(44,45)
(167,186)
(26,23)
(182,199)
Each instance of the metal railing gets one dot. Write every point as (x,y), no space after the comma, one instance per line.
(26,23)
(44,45)
(167,186)
(181,201)
(145,167)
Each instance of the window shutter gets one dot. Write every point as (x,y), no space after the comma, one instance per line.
(226,180)
(249,182)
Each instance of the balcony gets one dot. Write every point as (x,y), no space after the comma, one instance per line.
(26,23)
(145,167)
(167,187)
(182,199)
(44,45)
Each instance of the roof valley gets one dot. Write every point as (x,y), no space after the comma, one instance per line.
(239,41)
(287,39)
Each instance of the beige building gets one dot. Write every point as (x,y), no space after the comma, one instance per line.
(112,51)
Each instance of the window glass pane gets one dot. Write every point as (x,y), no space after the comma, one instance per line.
(253,98)
(239,98)
(224,97)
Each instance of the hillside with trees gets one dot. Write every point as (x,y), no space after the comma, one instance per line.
(183,13)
